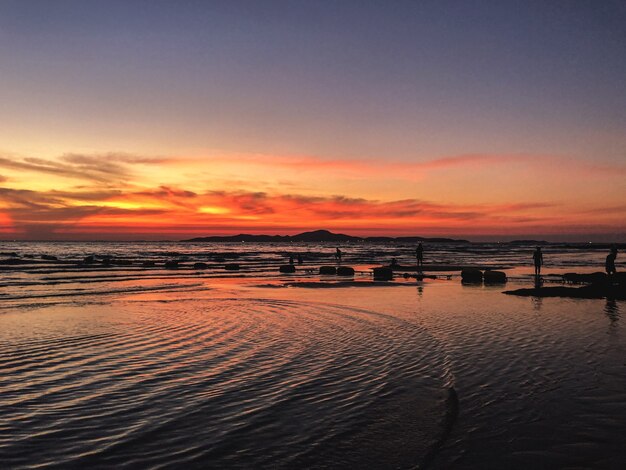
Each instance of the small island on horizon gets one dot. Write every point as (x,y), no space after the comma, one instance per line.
(319,236)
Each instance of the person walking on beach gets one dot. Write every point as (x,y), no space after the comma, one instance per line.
(338,255)
(538,259)
(610,261)
(419,255)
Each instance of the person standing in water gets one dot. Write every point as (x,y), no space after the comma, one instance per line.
(419,255)
(610,261)
(338,255)
(538,259)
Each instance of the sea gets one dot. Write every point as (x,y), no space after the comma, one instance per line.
(109,358)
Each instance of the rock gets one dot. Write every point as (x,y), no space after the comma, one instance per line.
(122,262)
(172,264)
(494,277)
(232,267)
(219,259)
(383,274)
(287,268)
(148,264)
(13,261)
(612,287)
(592,278)
(200,266)
(345,271)
(10,254)
(328,270)
(471,275)
(49,258)
(89,259)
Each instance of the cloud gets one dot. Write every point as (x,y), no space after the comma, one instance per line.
(44,213)
(100,168)
(412,170)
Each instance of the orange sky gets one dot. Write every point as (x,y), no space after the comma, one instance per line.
(168,120)
(123,196)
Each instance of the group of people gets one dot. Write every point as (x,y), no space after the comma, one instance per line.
(609,265)
(537,259)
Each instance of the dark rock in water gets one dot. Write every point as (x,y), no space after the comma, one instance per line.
(399,267)
(173,264)
(613,287)
(200,266)
(494,277)
(471,275)
(328,270)
(29,256)
(232,267)
(89,259)
(122,262)
(345,271)
(383,274)
(49,258)
(287,268)
(219,259)
(13,261)
(11,254)
(148,264)
(592,278)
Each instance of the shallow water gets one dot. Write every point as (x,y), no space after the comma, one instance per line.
(151,368)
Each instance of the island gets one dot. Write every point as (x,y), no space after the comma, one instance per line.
(317,236)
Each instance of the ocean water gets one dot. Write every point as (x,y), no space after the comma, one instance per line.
(133,366)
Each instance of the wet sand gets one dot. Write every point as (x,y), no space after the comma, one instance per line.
(152,367)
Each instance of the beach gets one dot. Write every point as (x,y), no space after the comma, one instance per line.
(126,364)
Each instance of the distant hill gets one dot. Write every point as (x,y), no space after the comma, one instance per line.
(319,236)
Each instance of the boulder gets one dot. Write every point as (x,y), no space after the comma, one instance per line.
(232,267)
(494,277)
(200,266)
(471,275)
(172,264)
(383,274)
(89,259)
(328,270)
(345,271)
(49,258)
(148,264)
(287,268)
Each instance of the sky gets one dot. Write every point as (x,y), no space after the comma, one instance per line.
(487,120)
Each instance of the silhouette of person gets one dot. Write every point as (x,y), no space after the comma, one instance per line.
(419,254)
(338,255)
(610,261)
(290,259)
(299,258)
(394,262)
(538,259)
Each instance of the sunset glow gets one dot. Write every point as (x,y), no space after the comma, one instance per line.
(117,125)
